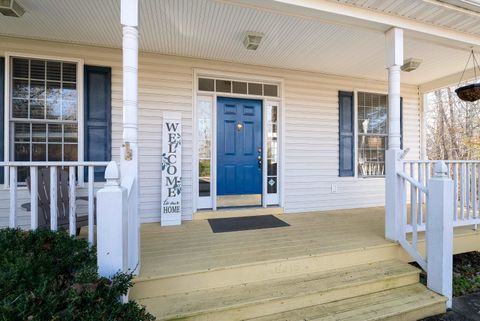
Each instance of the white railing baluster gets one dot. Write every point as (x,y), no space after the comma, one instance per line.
(13,197)
(462,191)
(414,217)
(455,191)
(90,204)
(420,194)
(33,197)
(467,191)
(72,215)
(53,199)
(473,185)
(412,191)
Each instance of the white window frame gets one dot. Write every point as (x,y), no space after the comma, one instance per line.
(7,104)
(267,199)
(355,128)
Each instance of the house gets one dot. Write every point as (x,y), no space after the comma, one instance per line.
(275,107)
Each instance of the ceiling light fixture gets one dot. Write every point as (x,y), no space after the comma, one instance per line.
(11,8)
(252,40)
(411,64)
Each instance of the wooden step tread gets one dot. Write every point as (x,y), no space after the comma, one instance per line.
(411,302)
(254,298)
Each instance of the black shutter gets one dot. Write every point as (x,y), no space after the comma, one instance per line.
(346,134)
(98,116)
(401,123)
(2,113)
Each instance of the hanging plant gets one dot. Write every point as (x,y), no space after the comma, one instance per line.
(469,92)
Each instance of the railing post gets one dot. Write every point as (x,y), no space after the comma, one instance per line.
(439,232)
(112,227)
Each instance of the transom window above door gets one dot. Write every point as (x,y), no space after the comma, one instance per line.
(43,110)
(237,87)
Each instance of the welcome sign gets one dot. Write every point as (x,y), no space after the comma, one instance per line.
(171,212)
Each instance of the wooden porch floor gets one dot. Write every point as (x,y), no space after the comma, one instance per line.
(193,247)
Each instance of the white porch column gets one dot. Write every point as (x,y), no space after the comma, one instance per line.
(129,150)
(394,60)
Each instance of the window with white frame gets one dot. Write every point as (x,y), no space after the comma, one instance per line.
(372,114)
(43,111)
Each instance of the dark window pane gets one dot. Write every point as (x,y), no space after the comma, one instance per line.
(254,89)
(70,133)
(20,88)
(204,177)
(19,108)
(69,72)
(271,185)
(37,89)
(39,152)
(239,87)
(224,86)
(22,174)
(39,132)
(22,132)
(20,68)
(70,152)
(22,152)
(54,70)
(54,133)
(272,168)
(37,109)
(54,152)
(270,90)
(37,69)
(206,84)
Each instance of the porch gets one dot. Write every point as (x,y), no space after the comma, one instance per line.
(184,268)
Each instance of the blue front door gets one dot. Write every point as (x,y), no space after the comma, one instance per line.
(239,146)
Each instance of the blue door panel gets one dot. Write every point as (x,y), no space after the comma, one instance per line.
(239,146)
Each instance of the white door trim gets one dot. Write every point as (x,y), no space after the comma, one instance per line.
(201,203)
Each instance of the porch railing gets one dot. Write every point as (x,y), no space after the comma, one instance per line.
(427,195)
(79,190)
(466,191)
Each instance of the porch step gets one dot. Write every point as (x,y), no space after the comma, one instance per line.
(237,212)
(153,286)
(413,302)
(281,298)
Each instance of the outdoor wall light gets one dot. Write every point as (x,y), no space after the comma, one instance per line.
(411,64)
(252,40)
(11,8)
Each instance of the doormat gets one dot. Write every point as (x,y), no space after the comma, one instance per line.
(234,224)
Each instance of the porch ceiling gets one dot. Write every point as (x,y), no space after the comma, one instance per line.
(214,30)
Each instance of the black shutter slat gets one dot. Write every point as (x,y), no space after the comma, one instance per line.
(98,116)
(2,119)
(346,134)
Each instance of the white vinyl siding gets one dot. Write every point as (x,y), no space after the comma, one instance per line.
(166,83)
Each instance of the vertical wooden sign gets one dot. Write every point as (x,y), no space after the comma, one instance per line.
(171,211)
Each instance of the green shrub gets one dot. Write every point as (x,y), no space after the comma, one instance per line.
(48,275)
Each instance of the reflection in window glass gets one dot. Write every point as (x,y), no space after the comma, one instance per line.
(272,149)
(204,146)
(44,108)
(372,133)
(223,86)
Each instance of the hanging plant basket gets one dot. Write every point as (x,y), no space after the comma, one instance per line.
(469,92)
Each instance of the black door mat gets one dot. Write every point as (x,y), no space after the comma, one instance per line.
(234,224)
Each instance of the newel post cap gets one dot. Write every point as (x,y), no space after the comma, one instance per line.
(112,174)
(440,169)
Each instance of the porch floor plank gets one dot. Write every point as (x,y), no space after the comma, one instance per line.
(193,247)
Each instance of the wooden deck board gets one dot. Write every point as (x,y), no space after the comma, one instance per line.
(192,246)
